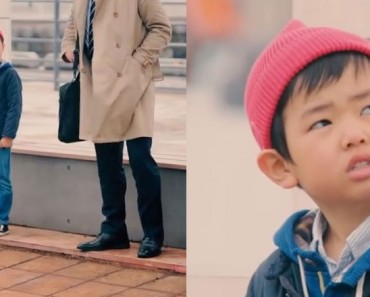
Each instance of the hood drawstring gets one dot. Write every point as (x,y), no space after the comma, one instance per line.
(303,277)
(360,286)
(321,280)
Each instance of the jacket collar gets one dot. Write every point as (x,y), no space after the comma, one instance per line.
(4,66)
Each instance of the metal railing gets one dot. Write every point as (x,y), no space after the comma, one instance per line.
(172,65)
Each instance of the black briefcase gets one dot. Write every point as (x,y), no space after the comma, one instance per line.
(69,107)
(69,111)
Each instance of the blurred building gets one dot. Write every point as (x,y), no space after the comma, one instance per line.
(229,35)
(33,19)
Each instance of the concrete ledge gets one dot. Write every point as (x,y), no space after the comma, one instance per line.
(65,243)
(55,191)
(170,162)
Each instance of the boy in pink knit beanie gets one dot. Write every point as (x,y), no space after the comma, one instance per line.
(308,103)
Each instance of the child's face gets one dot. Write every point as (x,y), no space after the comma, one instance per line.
(328,136)
(1,49)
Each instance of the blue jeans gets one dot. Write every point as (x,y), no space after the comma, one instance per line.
(6,191)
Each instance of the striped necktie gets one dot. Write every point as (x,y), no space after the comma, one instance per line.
(89,39)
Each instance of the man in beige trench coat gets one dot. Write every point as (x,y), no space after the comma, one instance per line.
(120,41)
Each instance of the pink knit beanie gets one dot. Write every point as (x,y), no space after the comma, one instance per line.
(292,49)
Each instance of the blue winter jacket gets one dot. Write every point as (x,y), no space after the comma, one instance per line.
(294,271)
(10,100)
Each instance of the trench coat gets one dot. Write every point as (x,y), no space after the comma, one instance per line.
(117,89)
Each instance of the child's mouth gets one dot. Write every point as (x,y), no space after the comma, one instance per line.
(360,165)
(359,168)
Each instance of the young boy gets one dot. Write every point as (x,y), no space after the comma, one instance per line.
(308,103)
(10,113)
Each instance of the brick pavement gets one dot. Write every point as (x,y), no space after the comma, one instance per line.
(26,273)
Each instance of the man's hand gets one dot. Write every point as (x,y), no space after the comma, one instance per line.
(69,56)
(6,142)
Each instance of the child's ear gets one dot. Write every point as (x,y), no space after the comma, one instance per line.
(276,168)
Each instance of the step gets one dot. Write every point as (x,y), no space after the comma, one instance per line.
(171,259)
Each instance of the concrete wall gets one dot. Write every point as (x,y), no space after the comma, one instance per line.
(64,194)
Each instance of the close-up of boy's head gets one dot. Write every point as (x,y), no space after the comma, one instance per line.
(295,52)
(299,62)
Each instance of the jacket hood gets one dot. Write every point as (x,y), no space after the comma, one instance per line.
(295,234)
(294,237)
(5,66)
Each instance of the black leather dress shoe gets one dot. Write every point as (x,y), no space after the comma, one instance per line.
(149,248)
(104,242)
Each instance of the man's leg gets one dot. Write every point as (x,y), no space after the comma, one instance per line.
(148,184)
(113,188)
(6,191)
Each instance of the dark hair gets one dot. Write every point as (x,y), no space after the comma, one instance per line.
(2,38)
(313,77)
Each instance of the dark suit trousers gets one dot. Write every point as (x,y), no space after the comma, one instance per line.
(113,187)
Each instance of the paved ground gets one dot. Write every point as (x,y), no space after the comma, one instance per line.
(36,262)
(171,259)
(25,273)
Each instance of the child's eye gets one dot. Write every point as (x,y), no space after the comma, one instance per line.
(366,110)
(321,124)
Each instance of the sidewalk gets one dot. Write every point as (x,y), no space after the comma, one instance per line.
(35,262)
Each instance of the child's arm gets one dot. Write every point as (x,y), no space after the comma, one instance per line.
(14,100)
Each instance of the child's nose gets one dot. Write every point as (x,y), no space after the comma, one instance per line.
(354,137)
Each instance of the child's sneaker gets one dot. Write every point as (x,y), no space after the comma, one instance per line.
(4,229)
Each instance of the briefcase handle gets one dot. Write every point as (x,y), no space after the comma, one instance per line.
(76,57)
